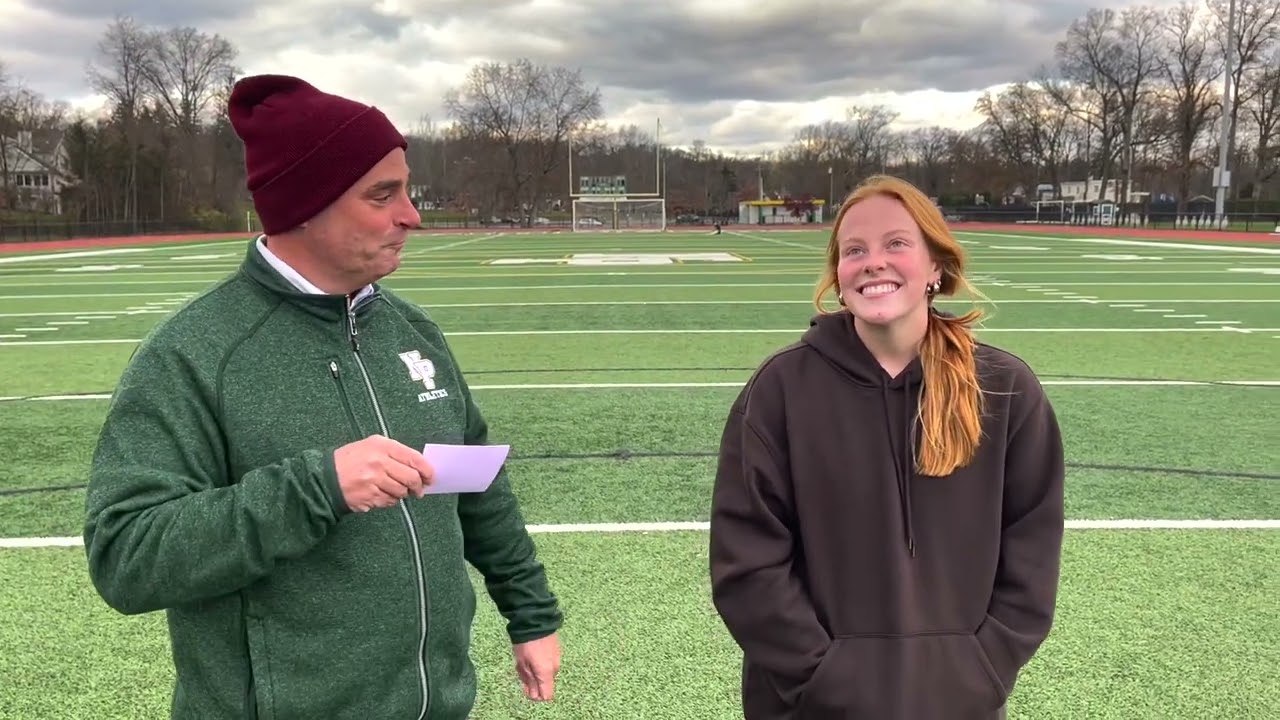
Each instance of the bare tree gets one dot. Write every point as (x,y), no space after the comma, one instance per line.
(1189,70)
(820,142)
(928,148)
(184,72)
(1088,59)
(181,75)
(1256,31)
(8,127)
(1029,128)
(1264,109)
(528,110)
(1139,37)
(124,51)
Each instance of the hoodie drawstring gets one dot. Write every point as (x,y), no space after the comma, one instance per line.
(903,461)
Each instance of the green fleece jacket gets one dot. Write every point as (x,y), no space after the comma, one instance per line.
(213,496)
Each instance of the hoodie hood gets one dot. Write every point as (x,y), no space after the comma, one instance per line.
(833,337)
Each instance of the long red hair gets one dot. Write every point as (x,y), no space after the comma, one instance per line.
(951,405)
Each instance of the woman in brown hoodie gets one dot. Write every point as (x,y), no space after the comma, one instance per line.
(887,519)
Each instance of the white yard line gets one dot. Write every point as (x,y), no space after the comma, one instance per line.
(727,384)
(701,331)
(624,271)
(699,527)
(1137,306)
(813,248)
(459,243)
(72,254)
(1223,248)
(158,247)
(1066,299)
(611,286)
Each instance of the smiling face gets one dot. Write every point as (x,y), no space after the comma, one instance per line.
(883,264)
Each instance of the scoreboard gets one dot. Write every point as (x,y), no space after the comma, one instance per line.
(602,185)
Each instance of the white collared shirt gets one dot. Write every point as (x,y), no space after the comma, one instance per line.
(295,278)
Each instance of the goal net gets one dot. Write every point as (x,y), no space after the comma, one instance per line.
(1051,211)
(608,214)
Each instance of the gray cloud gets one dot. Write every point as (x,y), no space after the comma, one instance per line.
(148,12)
(737,74)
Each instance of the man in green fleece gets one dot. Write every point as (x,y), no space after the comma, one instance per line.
(260,475)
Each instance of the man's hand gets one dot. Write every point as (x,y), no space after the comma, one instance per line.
(378,472)
(537,663)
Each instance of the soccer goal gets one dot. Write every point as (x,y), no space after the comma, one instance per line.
(1052,211)
(619,213)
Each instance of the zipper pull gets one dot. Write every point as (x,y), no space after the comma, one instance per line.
(351,324)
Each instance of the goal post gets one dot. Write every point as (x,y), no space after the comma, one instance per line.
(615,202)
(616,213)
(1051,211)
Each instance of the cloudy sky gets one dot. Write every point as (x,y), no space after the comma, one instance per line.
(741,75)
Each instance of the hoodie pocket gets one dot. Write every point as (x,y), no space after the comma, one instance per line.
(917,677)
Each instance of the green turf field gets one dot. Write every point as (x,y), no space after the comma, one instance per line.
(609,366)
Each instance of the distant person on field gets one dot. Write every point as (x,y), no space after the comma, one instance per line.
(260,476)
(887,518)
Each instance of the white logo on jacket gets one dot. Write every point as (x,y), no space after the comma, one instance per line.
(424,371)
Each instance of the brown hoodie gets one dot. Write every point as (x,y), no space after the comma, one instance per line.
(857,588)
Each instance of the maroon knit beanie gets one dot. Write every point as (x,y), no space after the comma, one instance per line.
(303,148)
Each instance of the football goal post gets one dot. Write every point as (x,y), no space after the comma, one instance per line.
(605,203)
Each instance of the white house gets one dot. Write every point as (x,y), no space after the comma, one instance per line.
(34,171)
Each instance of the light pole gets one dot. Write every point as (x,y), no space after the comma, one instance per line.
(1222,176)
(831,191)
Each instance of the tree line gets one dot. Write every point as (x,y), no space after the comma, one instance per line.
(1133,97)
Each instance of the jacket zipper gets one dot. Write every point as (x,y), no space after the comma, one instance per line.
(408,519)
(346,401)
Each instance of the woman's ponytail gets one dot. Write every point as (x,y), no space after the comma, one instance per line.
(951,403)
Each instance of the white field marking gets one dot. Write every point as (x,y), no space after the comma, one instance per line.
(469,273)
(696,526)
(1141,307)
(1066,299)
(728,384)
(67,322)
(34,329)
(159,247)
(1225,248)
(78,315)
(1186,315)
(817,247)
(459,243)
(775,331)
(203,257)
(76,254)
(6,337)
(719,331)
(610,286)
(1068,283)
